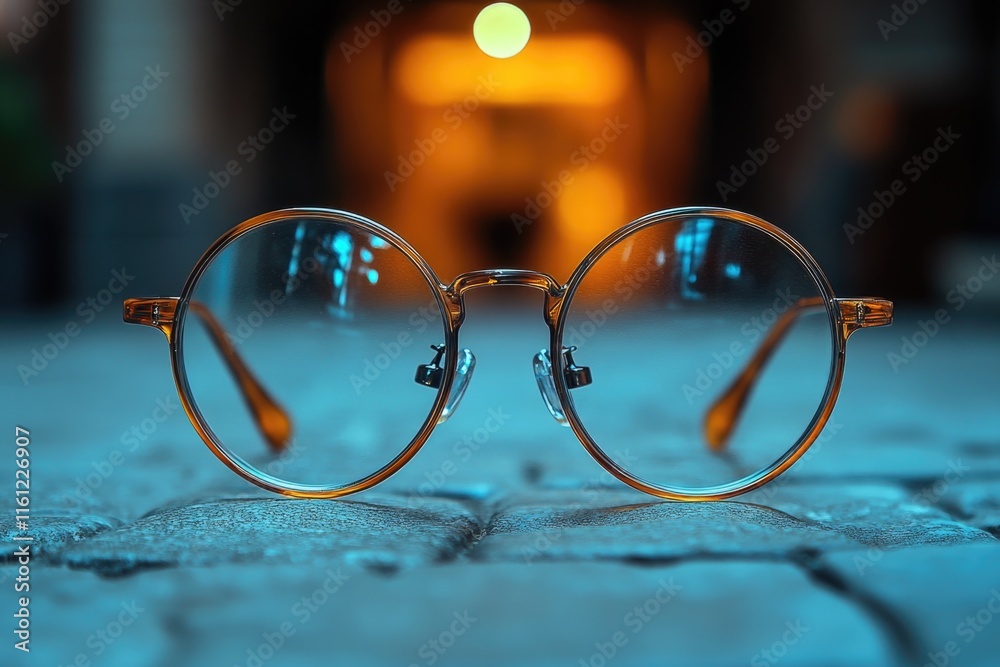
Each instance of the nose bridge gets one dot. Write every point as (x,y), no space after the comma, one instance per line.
(515,277)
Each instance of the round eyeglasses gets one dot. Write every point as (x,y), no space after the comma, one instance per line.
(314,350)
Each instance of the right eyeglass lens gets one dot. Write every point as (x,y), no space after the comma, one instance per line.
(331,323)
(710,348)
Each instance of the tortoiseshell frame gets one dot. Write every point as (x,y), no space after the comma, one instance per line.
(845,315)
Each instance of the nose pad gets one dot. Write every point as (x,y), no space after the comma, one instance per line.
(542,365)
(463,373)
(431,375)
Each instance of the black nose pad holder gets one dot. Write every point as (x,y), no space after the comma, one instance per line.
(432,375)
(576,376)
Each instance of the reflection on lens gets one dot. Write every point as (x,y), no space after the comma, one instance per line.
(300,344)
(710,347)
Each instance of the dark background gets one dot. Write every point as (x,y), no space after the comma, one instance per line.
(228,69)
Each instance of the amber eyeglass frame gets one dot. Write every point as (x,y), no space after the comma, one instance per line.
(846,315)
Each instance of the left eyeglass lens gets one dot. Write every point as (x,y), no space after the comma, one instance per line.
(330,323)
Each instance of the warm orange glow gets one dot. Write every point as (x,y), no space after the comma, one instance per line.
(588,69)
(469,140)
(593,202)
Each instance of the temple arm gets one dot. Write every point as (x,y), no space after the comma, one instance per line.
(724,414)
(271,419)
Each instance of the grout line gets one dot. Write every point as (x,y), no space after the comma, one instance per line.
(904,641)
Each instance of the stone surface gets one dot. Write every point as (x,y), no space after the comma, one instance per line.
(977,502)
(885,533)
(882,515)
(563,525)
(460,614)
(54,530)
(947,599)
(384,535)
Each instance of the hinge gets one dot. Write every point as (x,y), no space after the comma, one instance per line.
(157,312)
(863,312)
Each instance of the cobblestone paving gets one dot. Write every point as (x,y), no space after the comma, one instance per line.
(880,549)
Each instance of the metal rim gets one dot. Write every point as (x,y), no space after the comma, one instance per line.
(812,430)
(200,424)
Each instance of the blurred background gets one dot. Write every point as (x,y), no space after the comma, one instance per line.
(133,134)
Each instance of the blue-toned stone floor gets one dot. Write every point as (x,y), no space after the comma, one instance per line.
(880,549)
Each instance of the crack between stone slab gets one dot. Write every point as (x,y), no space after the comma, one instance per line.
(904,642)
(947,505)
(474,537)
(953,509)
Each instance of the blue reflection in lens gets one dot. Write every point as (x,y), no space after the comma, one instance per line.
(691,244)
(343,245)
(372,276)
(733,270)
(293,261)
(343,248)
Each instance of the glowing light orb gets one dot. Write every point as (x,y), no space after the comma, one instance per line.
(501,30)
